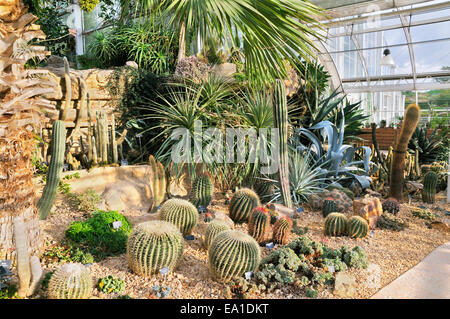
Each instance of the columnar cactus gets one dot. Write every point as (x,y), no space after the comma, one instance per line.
(181,213)
(202,190)
(55,169)
(157,182)
(154,245)
(215,227)
(357,227)
(429,187)
(70,281)
(411,119)
(232,254)
(241,204)
(282,230)
(259,224)
(329,206)
(335,224)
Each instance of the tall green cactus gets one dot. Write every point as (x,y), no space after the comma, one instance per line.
(215,227)
(157,182)
(280,112)
(429,187)
(70,281)
(232,254)
(241,204)
(412,117)
(54,171)
(181,213)
(259,224)
(202,190)
(282,230)
(154,245)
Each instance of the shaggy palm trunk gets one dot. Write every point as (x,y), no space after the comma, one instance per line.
(20,110)
(182,43)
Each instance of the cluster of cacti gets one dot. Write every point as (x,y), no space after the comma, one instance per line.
(215,227)
(342,200)
(369,208)
(181,213)
(70,281)
(154,245)
(336,224)
(110,284)
(329,206)
(259,224)
(411,119)
(280,112)
(391,205)
(429,187)
(282,230)
(202,190)
(357,227)
(424,214)
(241,204)
(55,169)
(232,254)
(265,190)
(157,182)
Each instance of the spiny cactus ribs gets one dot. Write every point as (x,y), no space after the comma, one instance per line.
(259,224)
(202,190)
(282,230)
(241,204)
(429,187)
(70,281)
(232,254)
(329,206)
(215,227)
(391,205)
(181,213)
(335,224)
(154,245)
(357,227)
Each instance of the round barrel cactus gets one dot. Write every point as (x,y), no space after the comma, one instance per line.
(282,230)
(215,227)
(202,190)
(429,187)
(181,213)
(335,224)
(70,281)
(154,245)
(357,227)
(241,205)
(329,206)
(232,254)
(259,224)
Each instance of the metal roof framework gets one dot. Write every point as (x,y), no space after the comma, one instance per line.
(417,32)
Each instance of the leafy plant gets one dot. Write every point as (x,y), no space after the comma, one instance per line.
(67,253)
(429,147)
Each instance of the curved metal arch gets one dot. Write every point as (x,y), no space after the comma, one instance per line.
(361,55)
(408,36)
(327,61)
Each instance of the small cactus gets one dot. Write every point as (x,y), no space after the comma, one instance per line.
(202,190)
(241,205)
(157,182)
(282,230)
(154,245)
(391,205)
(357,227)
(70,281)
(215,227)
(259,224)
(335,224)
(329,206)
(429,187)
(232,254)
(181,213)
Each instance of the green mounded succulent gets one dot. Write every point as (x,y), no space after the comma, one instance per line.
(110,284)
(181,213)
(391,222)
(424,214)
(357,227)
(335,224)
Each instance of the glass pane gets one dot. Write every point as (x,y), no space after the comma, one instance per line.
(431,31)
(432,57)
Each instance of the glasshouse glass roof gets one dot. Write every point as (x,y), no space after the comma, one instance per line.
(417,34)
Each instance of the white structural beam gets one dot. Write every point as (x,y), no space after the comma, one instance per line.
(407,31)
(396,87)
(327,61)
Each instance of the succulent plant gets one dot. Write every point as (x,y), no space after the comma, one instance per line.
(429,187)
(110,284)
(282,230)
(391,205)
(357,227)
(181,213)
(158,182)
(154,245)
(265,190)
(70,281)
(215,227)
(232,254)
(329,206)
(259,224)
(241,204)
(202,190)
(335,224)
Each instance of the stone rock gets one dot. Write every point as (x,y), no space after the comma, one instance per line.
(344,285)
(224,217)
(132,64)
(126,195)
(369,208)
(372,193)
(373,276)
(177,186)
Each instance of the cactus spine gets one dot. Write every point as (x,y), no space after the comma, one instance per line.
(357,227)
(412,117)
(154,245)
(335,224)
(329,206)
(202,190)
(181,213)
(157,182)
(241,204)
(54,171)
(282,230)
(215,227)
(232,254)
(259,224)
(280,112)
(70,281)
(429,187)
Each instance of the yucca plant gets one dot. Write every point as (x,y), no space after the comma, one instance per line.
(429,147)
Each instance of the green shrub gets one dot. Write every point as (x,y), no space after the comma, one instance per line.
(98,235)
(67,253)
(86,201)
(110,284)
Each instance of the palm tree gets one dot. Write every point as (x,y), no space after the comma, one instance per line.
(20,110)
(271,31)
